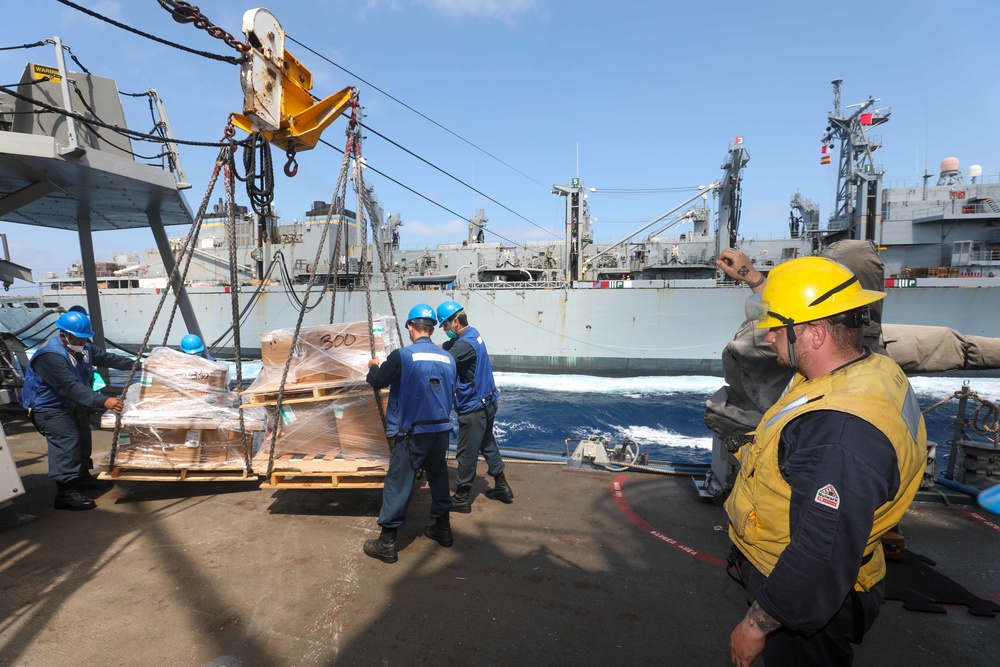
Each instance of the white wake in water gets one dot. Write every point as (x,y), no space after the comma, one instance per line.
(988,388)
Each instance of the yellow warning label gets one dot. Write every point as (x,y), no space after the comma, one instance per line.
(41,71)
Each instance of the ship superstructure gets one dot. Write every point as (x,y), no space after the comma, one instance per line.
(651,302)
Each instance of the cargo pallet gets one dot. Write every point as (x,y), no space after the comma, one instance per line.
(303,471)
(305,393)
(125,474)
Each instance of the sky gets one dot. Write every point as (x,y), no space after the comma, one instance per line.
(524,94)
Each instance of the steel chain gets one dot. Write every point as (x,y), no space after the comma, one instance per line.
(334,270)
(163,297)
(185,12)
(234,289)
(302,314)
(353,148)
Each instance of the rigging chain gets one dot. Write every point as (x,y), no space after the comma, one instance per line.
(302,313)
(185,12)
(234,281)
(172,281)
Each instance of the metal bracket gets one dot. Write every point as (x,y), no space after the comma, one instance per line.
(276,98)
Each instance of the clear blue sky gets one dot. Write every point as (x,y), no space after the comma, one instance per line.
(648,93)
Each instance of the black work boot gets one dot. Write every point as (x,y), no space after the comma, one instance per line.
(90,483)
(501,490)
(460,501)
(70,499)
(384,548)
(440,530)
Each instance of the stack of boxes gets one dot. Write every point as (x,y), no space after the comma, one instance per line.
(182,415)
(329,412)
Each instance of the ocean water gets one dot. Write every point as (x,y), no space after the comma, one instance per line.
(663,415)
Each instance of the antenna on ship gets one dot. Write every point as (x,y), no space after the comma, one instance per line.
(859,180)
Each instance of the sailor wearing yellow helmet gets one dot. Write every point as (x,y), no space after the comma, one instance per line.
(832,466)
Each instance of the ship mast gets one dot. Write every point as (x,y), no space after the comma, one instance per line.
(730,194)
(859,180)
(577,226)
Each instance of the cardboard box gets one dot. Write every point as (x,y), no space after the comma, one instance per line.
(325,354)
(349,427)
(157,448)
(169,375)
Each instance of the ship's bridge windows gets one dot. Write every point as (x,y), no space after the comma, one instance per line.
(31,304)
(50,304)
(13,304)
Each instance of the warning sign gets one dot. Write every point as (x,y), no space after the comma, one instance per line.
(39,72)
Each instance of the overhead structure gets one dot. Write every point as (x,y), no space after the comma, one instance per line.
(57,171)
(276,98)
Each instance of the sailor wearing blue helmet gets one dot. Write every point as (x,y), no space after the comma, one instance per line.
(191,344)
(421,380)
(58,396)
(476,404)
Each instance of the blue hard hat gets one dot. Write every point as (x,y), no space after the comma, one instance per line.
(447,310)
(77,309)
(191,344)
(75,323)
(422,314)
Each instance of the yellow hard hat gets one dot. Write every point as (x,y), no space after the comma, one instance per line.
(810,288)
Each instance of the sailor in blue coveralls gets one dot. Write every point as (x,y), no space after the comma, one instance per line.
(58,396)
(421,380)
(476,402)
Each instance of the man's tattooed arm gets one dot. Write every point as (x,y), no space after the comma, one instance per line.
(760,619)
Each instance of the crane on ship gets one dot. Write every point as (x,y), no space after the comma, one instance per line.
(859,179)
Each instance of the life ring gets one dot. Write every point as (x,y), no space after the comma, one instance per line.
(309,268)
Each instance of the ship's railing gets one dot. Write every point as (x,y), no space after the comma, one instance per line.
(512,285)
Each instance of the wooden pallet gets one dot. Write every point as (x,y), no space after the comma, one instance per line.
(299,393)
(182,423)
(301,471)
(178,475)
(293,479)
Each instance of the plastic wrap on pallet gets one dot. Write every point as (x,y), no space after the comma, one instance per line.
(174,383)
(328,354)
(347,427)
(156,447)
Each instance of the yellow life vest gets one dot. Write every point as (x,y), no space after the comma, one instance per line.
(874,389)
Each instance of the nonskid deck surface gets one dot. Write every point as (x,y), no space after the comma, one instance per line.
(584,568)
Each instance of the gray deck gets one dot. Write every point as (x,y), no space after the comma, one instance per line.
(227,574)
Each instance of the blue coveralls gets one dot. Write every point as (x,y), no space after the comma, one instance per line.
(476,402)
(421,380)
(57,393)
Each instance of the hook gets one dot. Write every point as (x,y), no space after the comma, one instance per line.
(291,167)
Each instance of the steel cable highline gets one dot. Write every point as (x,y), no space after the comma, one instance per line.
(407,106)
(186,13)
(160,139)
(424,197)
(205,54)
(455,178)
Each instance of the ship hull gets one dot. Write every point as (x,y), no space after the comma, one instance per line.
(659,328)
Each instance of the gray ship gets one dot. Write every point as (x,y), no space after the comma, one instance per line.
(653,302)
